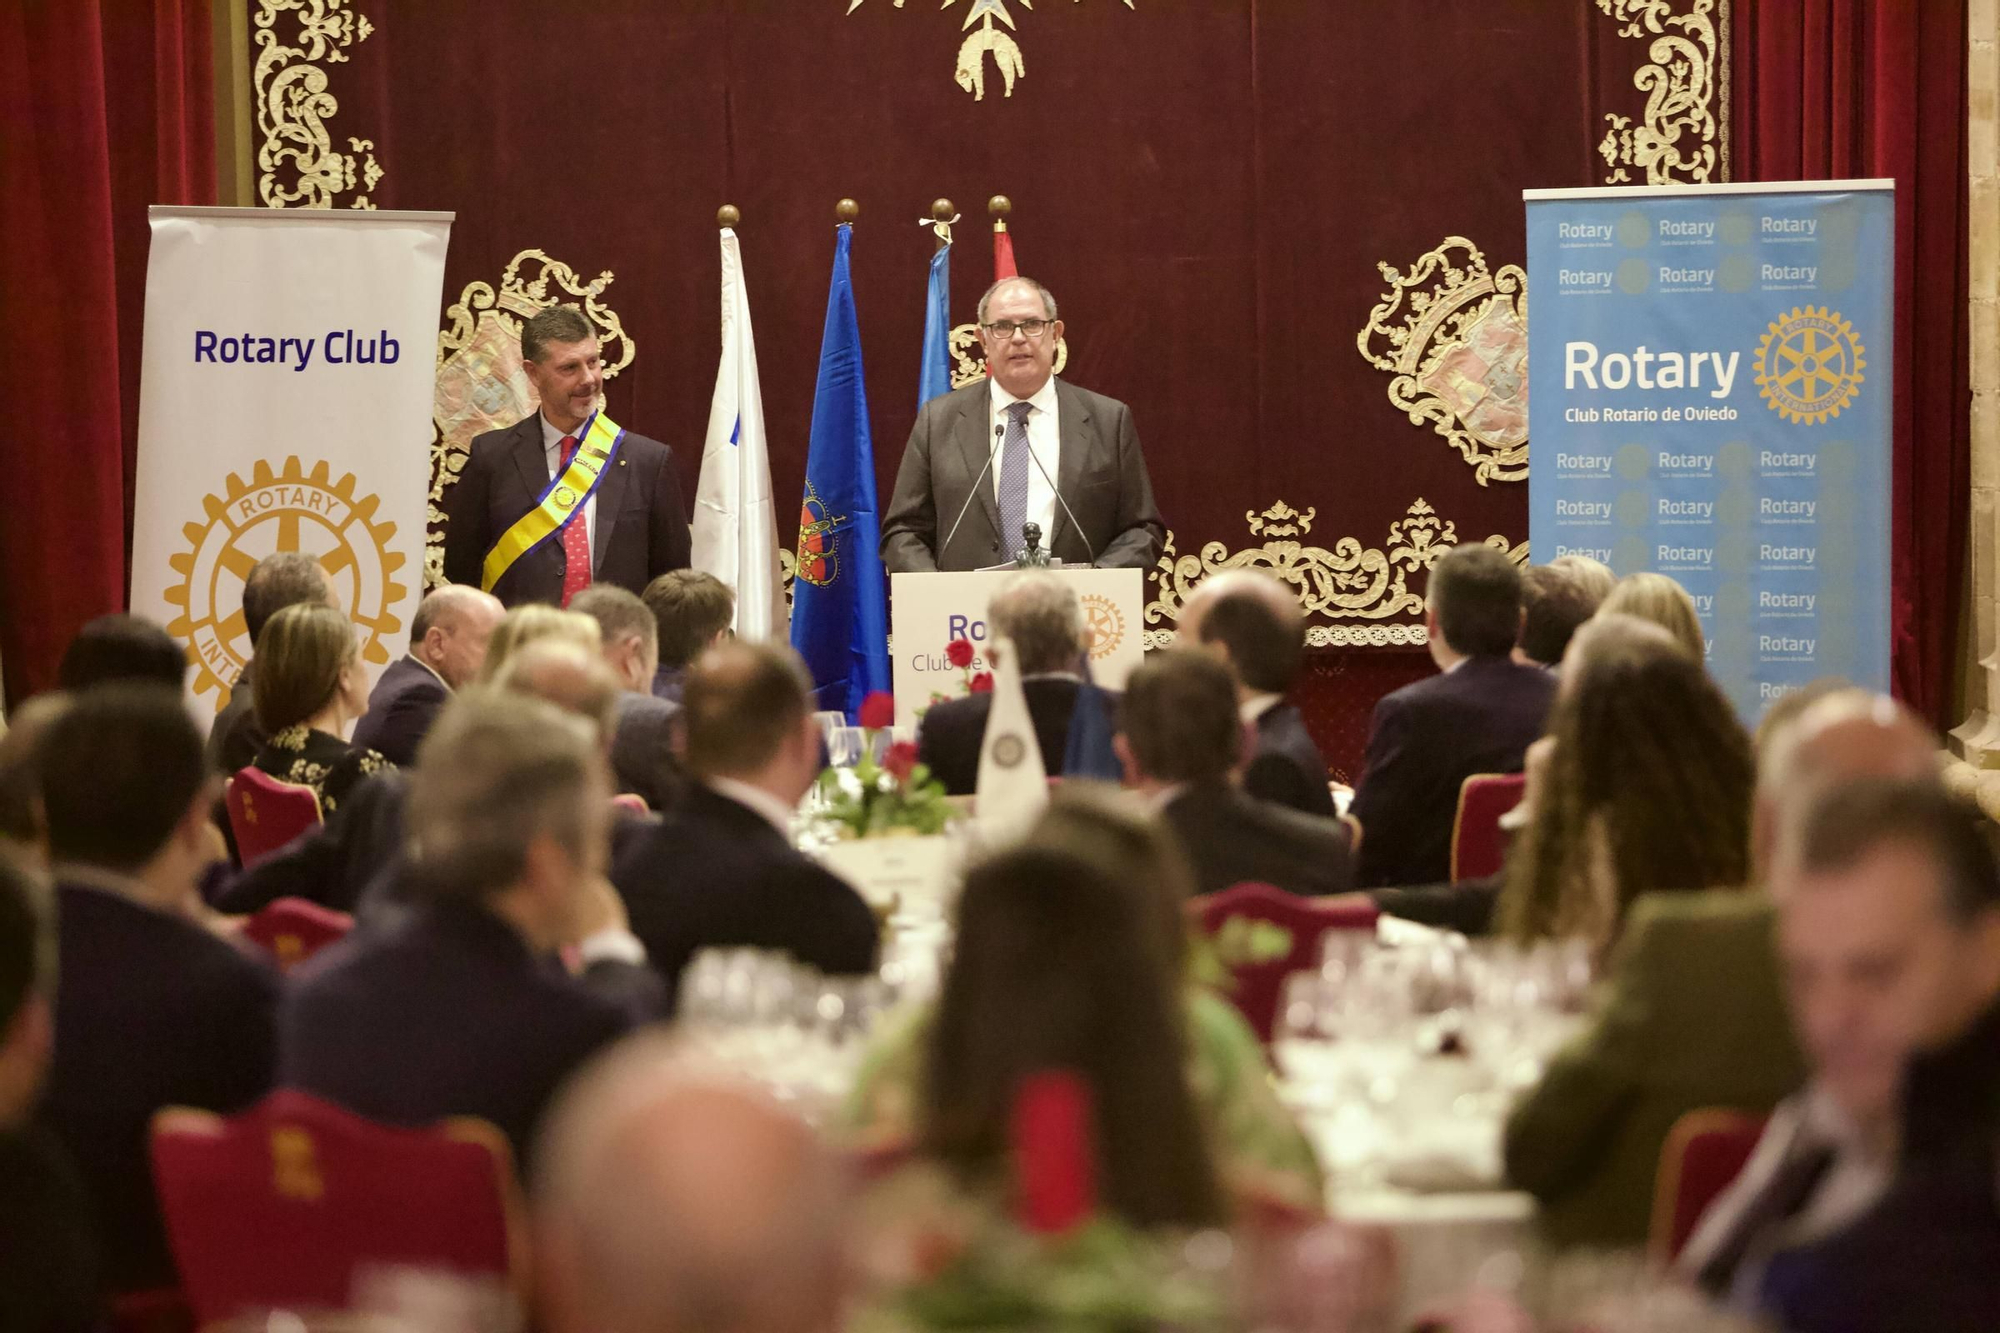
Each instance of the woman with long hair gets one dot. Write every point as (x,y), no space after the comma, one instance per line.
(1664,602)
(310,688)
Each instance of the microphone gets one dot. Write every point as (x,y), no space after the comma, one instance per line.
(1066,509)
(999,433)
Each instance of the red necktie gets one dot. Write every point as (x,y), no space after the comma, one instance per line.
(576,534)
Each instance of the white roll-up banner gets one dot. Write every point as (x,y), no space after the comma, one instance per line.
(284,405)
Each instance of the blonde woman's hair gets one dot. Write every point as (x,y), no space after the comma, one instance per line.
(1593,576)
(300,654)
(525,624)
(1657,598)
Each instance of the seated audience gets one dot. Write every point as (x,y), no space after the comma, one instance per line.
(694,610)
(448,638)
(1692,1011)
(121,647)
(1182,743)
(151,1009)
(1477,715)
(457,1006)
(1657,598)
(1254,622)
(721,871)
(21,831)
(643,746)
(310,686)
(1593,576)
(48,1254)
(275,582)
(526,624)
(1041,614)
(673,1200)
(1255,1146)
(1554,605)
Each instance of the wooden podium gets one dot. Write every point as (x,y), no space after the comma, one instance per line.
(928,611)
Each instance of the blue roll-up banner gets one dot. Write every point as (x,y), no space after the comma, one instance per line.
(1709,387)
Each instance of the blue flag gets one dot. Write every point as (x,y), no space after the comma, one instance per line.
(840,613)
(934,377)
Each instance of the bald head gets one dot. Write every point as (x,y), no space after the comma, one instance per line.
(450,632)
(1254,621)
(673,1198)
(1844,736)
(567,675)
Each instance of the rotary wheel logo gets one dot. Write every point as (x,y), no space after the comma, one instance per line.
(292,510)
(1106,623)
(1009,750)
(1809,365)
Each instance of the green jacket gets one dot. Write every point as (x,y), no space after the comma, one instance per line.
(1691,1015)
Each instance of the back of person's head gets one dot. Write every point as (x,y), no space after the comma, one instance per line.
(20,782)
(1783,714)
(497,774)
(1040,612)
(744,703)
(1178,720)
(1116,832)
(1593,576)
(1850,820)
(1839,735)
(1475,597)
(1554,605)
(1257,622)
(567,675)
(1650,779)
(672,1198)
(525,624)
(1657,598)
(120,771)
(300,655)
(1057,965)
(276,582)
(692,608)
(627,625)
(25,968)
(121,647)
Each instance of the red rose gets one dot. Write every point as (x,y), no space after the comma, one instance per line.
(982,683)
(959,652)
(878,710)
(901,758)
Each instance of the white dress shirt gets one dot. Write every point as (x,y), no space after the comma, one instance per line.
(775,812)
(1257,705)
(1045,444)
(552,444)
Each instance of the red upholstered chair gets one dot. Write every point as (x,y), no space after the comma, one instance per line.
(1704,1152)
(1263,935)
(265,813)
(283,1205)
(1478,843)
(292,930)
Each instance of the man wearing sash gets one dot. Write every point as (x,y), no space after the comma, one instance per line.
(567,497)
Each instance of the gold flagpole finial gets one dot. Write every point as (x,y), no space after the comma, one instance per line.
(728,216)
(846,211)
(999,206)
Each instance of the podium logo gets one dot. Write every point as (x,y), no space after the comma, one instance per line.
(291,510)
(1106,624)
(1809,365)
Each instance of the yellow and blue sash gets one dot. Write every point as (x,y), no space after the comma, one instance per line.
(563,500)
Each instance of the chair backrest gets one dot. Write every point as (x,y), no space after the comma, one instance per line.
(1478,844)
(282,1206)
(1704,1152)
(292,930)
(265,813)
(631,802)
(1263,934)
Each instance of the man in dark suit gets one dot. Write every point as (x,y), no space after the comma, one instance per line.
(1041,614)
(1254,621)
(694,611)
(447,647)
(1479,714)
(633,528)
(1183,743)
(1061,457)
(275,582)
(646,742)
(720,871)
(458,1005)
(151,1009)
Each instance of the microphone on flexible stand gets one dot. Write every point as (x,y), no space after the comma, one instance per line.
(999,433)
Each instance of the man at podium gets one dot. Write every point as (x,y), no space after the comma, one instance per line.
(1021,448)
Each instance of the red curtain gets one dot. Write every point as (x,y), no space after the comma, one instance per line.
(109,108)
(1827,89)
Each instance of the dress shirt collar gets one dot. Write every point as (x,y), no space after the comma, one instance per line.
(1042,400)
(433,670)
(1257,705)
(551,437)
(1052,675)
(774,811)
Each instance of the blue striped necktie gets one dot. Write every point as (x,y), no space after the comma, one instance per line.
(1014,478)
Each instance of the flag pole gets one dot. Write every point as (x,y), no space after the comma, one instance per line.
(999,206)
(846,211)
(728,217)
(941,215)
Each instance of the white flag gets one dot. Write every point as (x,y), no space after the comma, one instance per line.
(1013,781)
(735,525)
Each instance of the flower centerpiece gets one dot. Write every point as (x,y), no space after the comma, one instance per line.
(961,654)
(893,797)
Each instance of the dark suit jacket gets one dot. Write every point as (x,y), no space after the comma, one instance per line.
(1427,739)
(952,732)
(443,1011)
(1232,837)
(401,708)
(1100,472)
(641,528)
(715,874)
(642,749)
(48,1251)
(1286,766)
(151,1011)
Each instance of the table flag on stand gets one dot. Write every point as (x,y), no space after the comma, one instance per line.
(1013,781)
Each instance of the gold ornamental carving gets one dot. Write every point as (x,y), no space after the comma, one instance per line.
(983,39)
(1683,134)
(480,383)
(1347,582)
(1455,337)
(297,163)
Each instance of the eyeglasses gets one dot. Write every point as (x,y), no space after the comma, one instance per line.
(1004,329)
